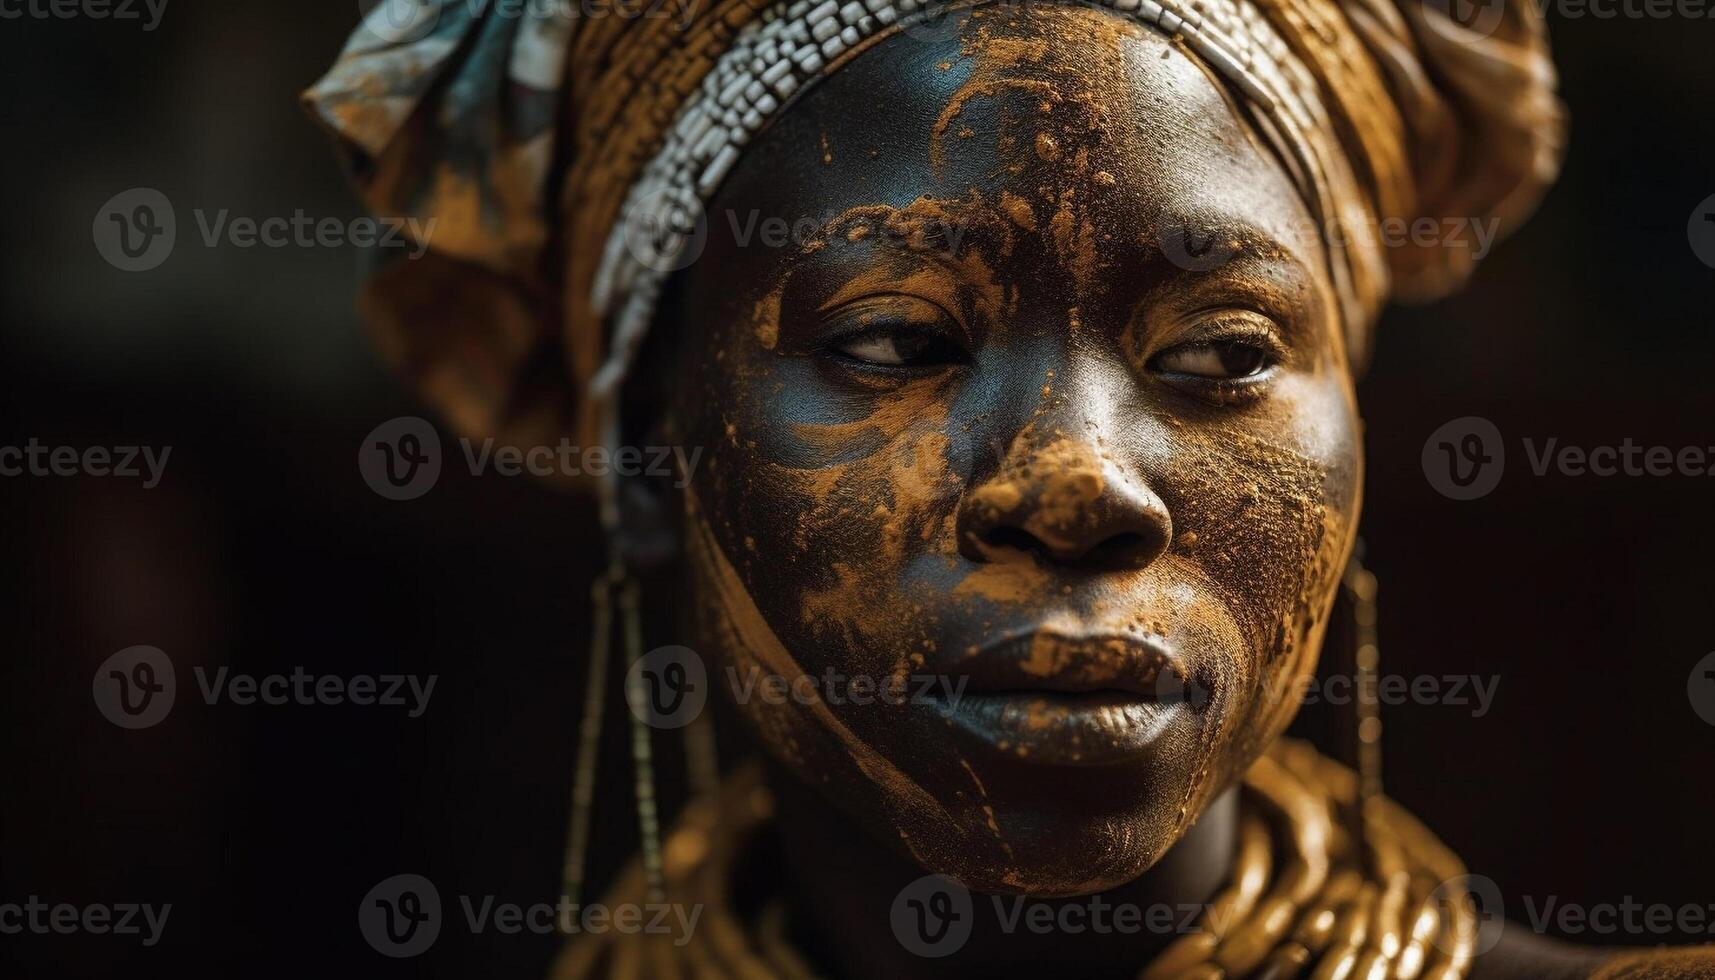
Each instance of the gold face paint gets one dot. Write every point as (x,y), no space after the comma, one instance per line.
(969,445)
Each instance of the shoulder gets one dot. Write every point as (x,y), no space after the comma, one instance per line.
(1522,955)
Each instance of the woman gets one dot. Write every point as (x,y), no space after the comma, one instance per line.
(1044,397)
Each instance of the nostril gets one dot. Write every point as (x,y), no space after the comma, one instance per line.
(1119,550)
(1123,549)
(1016,538)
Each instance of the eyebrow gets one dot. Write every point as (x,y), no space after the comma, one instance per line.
(895,248)
(945,236)
(1193,240)
(1262,272)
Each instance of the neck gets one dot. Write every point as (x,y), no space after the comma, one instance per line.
(841,884)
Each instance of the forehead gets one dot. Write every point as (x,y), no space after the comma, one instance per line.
(1020,102)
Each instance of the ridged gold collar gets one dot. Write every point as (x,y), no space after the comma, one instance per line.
(1306,898)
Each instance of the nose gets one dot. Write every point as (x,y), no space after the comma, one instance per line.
(1067,504)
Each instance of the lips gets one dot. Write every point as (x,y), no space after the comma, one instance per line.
(1051,698)
(1052,661)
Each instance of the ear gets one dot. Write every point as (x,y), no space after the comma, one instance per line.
(651,501)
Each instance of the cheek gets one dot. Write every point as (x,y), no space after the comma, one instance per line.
(1271,511)
(861,527)
(827,499)
(796,725)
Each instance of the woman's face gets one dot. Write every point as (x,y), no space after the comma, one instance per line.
(1032,445)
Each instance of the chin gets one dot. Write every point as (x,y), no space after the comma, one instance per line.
(1045,831)
(1062,856)
(1054,880)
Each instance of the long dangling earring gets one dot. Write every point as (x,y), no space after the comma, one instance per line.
(1365,735)
(617,585)
(589,735)
(642,752)
(605,399)
(701,759)
(602,600)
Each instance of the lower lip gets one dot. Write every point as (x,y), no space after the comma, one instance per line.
(1054,728)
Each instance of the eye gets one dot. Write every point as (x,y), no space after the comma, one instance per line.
(894,332)
(899,346)
(1218,359)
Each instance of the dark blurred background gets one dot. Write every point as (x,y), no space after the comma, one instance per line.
(262,549)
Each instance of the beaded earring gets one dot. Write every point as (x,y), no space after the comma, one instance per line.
(589,733)
(616,586)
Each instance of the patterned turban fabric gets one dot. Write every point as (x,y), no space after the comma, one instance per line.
(526,129)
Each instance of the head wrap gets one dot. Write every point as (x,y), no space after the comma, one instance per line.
(538,135)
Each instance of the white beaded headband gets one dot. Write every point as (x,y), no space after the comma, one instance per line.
(787,48)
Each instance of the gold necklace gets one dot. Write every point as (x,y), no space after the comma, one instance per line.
(1307,897)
